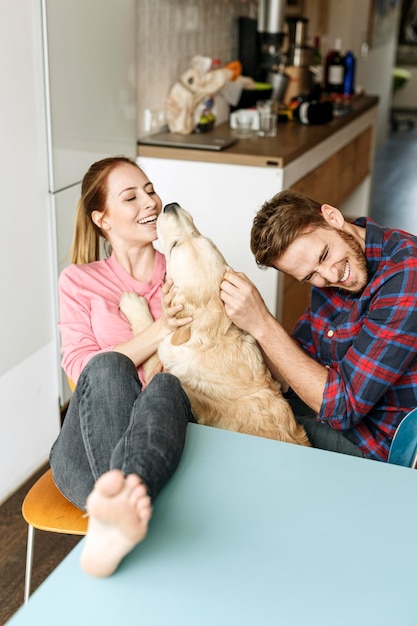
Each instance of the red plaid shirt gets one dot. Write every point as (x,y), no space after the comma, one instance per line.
(369,343)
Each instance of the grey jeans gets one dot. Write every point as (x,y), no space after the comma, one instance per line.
(112,423)
(320,435)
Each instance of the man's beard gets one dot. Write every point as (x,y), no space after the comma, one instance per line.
(360,258)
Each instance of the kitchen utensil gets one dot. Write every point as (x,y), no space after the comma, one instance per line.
(267,118)
(279,82)
(244,121)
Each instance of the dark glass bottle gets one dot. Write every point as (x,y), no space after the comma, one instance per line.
(317,58)
(334,70)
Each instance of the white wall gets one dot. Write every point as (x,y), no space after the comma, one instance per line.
(374,72)
(171,32)
(29,412)
(349,21)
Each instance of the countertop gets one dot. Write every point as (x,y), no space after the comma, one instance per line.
(292,141)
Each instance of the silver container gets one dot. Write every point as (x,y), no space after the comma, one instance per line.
(302,56)
(279,82)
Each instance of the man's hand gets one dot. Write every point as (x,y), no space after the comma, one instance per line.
(242,301)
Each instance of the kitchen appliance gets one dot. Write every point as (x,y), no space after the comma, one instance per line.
(298,53)
(90,87)
(274,49)
(271,19)
(299,58)
(248,46)
(260,40)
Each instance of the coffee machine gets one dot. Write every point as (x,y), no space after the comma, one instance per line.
(271,34)
(261,40)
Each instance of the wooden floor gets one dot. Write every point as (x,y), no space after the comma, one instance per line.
(394,203)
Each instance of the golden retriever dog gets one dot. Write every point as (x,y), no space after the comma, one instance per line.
(220,366)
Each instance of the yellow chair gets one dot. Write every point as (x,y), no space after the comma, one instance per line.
(45,508)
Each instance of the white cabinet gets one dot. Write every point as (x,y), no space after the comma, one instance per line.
(223,200)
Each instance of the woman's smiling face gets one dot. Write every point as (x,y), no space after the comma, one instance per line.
(132,207)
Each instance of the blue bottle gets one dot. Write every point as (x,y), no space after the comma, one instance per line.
(349,74)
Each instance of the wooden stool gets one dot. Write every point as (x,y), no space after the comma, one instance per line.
(45,508)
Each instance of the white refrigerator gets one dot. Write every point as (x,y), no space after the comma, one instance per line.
(91,94)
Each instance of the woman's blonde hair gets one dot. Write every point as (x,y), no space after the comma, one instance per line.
(86,242)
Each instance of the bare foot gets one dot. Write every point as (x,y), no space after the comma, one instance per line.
(119,511)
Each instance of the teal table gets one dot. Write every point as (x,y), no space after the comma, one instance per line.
(254,532)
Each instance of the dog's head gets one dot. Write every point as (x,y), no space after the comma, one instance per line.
(194,263)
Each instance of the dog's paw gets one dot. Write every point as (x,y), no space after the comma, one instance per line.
(130,302)
(135,308)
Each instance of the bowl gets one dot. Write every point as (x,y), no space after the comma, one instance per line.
(249,97)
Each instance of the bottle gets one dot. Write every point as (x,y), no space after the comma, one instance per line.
(335,69)
(317,67)
(316,58)
(349,74)
(207,117)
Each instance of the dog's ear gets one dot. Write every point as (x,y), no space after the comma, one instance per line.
(181,335)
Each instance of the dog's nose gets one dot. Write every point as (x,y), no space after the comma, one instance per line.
(173,206)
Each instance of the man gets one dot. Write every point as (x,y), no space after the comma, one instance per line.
(351,363)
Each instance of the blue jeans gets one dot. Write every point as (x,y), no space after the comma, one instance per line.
(112,423)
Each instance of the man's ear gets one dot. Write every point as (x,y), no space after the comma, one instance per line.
(332,216)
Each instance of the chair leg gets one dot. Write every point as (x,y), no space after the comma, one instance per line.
(29,561)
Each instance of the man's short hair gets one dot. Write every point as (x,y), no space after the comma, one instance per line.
(280,221)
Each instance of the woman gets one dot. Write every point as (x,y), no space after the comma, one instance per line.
(121,439)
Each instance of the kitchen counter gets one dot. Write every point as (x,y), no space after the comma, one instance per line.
(223,190)
(292,141)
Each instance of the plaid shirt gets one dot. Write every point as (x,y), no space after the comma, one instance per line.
(368,341)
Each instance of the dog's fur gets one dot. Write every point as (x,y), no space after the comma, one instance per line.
(220,366)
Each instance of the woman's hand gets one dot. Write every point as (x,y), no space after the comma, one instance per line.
(156,370)
(146,343)
(170,312)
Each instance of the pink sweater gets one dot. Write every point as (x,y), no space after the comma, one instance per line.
(90,319)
